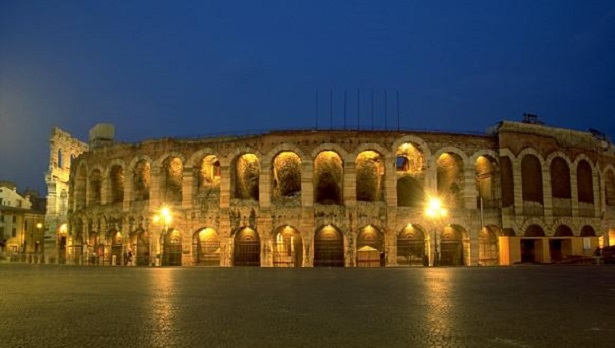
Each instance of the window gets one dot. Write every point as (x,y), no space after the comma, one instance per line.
(14,234)
(15,218)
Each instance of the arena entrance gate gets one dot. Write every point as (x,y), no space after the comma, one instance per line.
(370,248)
(328,248)
(247,248)
(411,247)
(116,248)
(288,248)
(451,247)
(172,249)
(206,248)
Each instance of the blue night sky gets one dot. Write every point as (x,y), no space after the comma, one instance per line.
(186,68)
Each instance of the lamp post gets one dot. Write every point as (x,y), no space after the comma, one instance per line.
(435,212)
(165,218)
(39,227)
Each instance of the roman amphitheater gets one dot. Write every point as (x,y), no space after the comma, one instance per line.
(520,192)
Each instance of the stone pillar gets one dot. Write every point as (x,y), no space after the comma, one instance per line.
(155,197)
(264,232)
(547,196)
(474,244)
(307,232)
(390,184)
(518,189)
(226,239)
(349,184)
(187,187)
(128,191)
(470,193)
(264,186)
(225,184)
(574,193)
(307,184)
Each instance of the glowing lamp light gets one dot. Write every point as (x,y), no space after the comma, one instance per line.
(434,208)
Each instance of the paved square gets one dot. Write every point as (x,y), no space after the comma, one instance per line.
(524,306)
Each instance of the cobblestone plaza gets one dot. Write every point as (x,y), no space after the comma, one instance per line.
(524,306)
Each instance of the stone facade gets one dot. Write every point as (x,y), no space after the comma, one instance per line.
(521,192)
(21,225)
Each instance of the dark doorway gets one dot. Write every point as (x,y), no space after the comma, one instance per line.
(247,248)
(555,249)
(328,248)
(528,250)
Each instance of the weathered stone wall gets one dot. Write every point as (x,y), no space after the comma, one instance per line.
(344,179)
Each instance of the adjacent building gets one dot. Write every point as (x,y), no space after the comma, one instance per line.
(22,217)
(520,192)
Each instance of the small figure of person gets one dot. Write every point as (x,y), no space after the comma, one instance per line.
(598,251)
(129,261)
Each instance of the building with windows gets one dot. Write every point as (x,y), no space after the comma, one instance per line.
(520,192)
(22,219)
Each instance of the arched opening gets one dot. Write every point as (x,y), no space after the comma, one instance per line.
(585,185)
(143,247)
(288,247)
(286,175)
(508,184)
(328,178)
(246,174)
(116,177)
(141,180)
(486,169)
(560,187)
(530,246)
(411,247)
(370,247)
(488,251)
(328,247)
(450,179)
(531,179)
(451,247)
(369,176)
(561,244)
(172,248)
(410,171)
(587,231)
(247,250)
(209,173)
(172,189)
(117,246)
(206,248)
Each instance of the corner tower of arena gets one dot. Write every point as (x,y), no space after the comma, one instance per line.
(520,192)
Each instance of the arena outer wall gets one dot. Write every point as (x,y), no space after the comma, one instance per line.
(522,192)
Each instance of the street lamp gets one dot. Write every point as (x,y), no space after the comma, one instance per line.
(165,218)
(435,212)
(39,227)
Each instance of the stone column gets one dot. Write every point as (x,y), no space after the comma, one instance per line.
(307,183)
(390,183)
(188,187)
(547,196)
(470,193)
(349,184)
(264,186)
(225,184)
